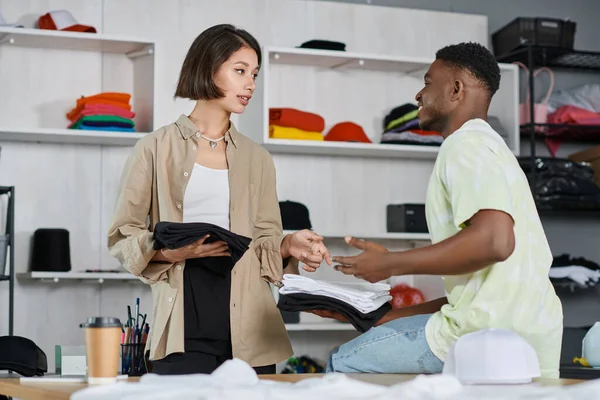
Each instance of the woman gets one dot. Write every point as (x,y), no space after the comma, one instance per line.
(201,169)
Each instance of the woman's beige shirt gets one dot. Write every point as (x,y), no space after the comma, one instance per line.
(152,189)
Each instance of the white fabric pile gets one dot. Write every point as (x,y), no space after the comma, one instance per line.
(236,380)
(364,297)
(584,276)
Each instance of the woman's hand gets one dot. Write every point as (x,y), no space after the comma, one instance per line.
(307,247)
(197,250)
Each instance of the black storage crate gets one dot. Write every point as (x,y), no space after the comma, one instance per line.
(534,31)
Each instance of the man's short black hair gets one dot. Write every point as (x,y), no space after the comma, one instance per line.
(476,59)
(207,53)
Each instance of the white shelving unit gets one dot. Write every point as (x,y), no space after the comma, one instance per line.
(41,38)
(97,277)
(349,149)
(318,80)
(410,237)
(140,52)
(72,136)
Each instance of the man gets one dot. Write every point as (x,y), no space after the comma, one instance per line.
(489,246)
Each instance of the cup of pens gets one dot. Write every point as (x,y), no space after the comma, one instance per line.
(133,343)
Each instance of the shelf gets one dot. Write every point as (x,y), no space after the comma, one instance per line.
(376,236)
(339,59)
(44,39)
(567,209)
(350,149)
(555,57)
(82,276)
(330,326)
(71,136)
(565,132)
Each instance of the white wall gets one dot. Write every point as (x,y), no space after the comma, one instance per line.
(74,186)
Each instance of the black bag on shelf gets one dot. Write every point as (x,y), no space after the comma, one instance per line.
(563,184)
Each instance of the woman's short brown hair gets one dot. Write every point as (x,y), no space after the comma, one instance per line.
(209,51)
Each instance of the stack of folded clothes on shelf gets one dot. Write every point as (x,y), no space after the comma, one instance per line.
(562,184)
(574,272)
(290,123)
(107,111)
(401,126)
(363,304)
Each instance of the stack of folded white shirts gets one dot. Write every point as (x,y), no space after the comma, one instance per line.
(364,297)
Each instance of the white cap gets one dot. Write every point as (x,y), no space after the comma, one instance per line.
(4,24)
(492,356)
(62,20)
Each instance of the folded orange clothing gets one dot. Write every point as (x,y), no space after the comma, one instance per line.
(110,96)
(293,118)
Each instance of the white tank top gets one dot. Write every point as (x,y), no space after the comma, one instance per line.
(206,197)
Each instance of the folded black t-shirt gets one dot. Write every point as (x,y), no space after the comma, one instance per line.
(306,302)
(174,235)
(206,283)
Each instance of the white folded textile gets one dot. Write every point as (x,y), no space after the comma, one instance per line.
(365,297)
(577,273)
(235,379)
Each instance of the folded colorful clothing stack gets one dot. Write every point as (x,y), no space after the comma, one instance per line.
(108,111)
(290,123)
(401,126)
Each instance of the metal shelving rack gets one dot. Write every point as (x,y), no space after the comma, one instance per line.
(533,57)
(10,232)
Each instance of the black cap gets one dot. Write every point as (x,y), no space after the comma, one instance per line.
(294,216)
(102,322)
(22,356)
(324,45)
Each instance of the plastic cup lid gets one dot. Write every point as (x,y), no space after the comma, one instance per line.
(102,322)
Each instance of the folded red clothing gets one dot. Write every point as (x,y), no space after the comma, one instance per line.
(425,133)
(574,115)
(293,118)
(102,109)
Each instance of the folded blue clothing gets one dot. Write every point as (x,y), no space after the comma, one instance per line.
(118,124)
(105,128)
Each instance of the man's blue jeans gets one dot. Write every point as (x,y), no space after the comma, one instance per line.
(398,346)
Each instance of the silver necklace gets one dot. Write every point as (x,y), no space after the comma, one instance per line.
(212,142)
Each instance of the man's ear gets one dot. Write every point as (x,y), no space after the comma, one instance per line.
(458,89)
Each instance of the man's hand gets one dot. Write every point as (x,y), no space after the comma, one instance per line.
(307,247)
(329,314)
(369,265)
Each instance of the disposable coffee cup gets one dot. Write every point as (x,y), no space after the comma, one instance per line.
(102,344)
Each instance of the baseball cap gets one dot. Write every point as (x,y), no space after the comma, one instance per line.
(294,215)
(22,355)
(4,24)
(347,132)
(492,356)
(62,20)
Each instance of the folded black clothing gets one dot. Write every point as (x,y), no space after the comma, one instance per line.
(174,235)
(206,282)
(306,302)
(206,295)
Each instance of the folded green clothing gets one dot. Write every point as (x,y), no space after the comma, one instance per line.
(120,121)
